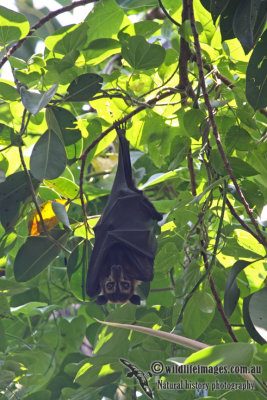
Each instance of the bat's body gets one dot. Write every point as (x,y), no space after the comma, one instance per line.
(125,242)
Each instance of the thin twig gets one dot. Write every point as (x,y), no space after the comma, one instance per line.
(218,300)
(41,22)
(213,123)
(167,14)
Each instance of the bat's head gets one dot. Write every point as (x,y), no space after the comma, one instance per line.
(118,287)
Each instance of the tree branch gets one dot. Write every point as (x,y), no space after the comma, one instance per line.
(40,23)
(213,123)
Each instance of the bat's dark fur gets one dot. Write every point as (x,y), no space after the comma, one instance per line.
(125,242)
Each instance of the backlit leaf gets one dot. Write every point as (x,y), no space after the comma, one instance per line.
(49,217)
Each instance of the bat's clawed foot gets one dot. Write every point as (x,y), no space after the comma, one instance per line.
(120,127)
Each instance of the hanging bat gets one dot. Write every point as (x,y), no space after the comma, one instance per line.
(125,243)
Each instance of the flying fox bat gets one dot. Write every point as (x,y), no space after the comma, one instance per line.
(125,242)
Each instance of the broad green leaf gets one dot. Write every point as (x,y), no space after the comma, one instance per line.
(161,177)
(238,138)
(142,55)
(256,84)
(100,49)
(8,92)
(3,341)
(6,377)
(179,150)
(216,8)
(48,159)
(61,213)
(198,314)
(67,38)
(28,308)
(35,100)
(226,20)
(241,168)
(17,62)
(63,123)
(232,292)
(84,87)
(106,20)
(246,240)
(14,192)
(254,314)
(65,188)
(99,371)
(14,25)
(11,287)
(5,134)
(223,354)
(242,25)
(192,122)
(36,254)
(77,269)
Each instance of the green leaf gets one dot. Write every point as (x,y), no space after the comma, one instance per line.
(28,308)
(3,341)
(256,83)
(192,122)
(100,49)
(99,371)
(84,87)
(142,55)
(6,377)
(35,100)
(48,159)
(254,314)
(216,8)
(223,354)
(63,123)
(161,177)
(14,25)
(65,39)
(179,150)
(8,92)
(226,20)
(242,25)
(232,292)
(198,314)
(36,254)
(65,188)
(77,269)
(61,213)
(14,192)
(238,138)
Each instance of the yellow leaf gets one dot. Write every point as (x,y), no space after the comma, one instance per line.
(49,217)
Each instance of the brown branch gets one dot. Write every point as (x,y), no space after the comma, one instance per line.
(213,123)
(218,300)
(191,172)
(41,22)
(240,220)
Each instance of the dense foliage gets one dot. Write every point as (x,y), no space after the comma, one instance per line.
(189,80)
